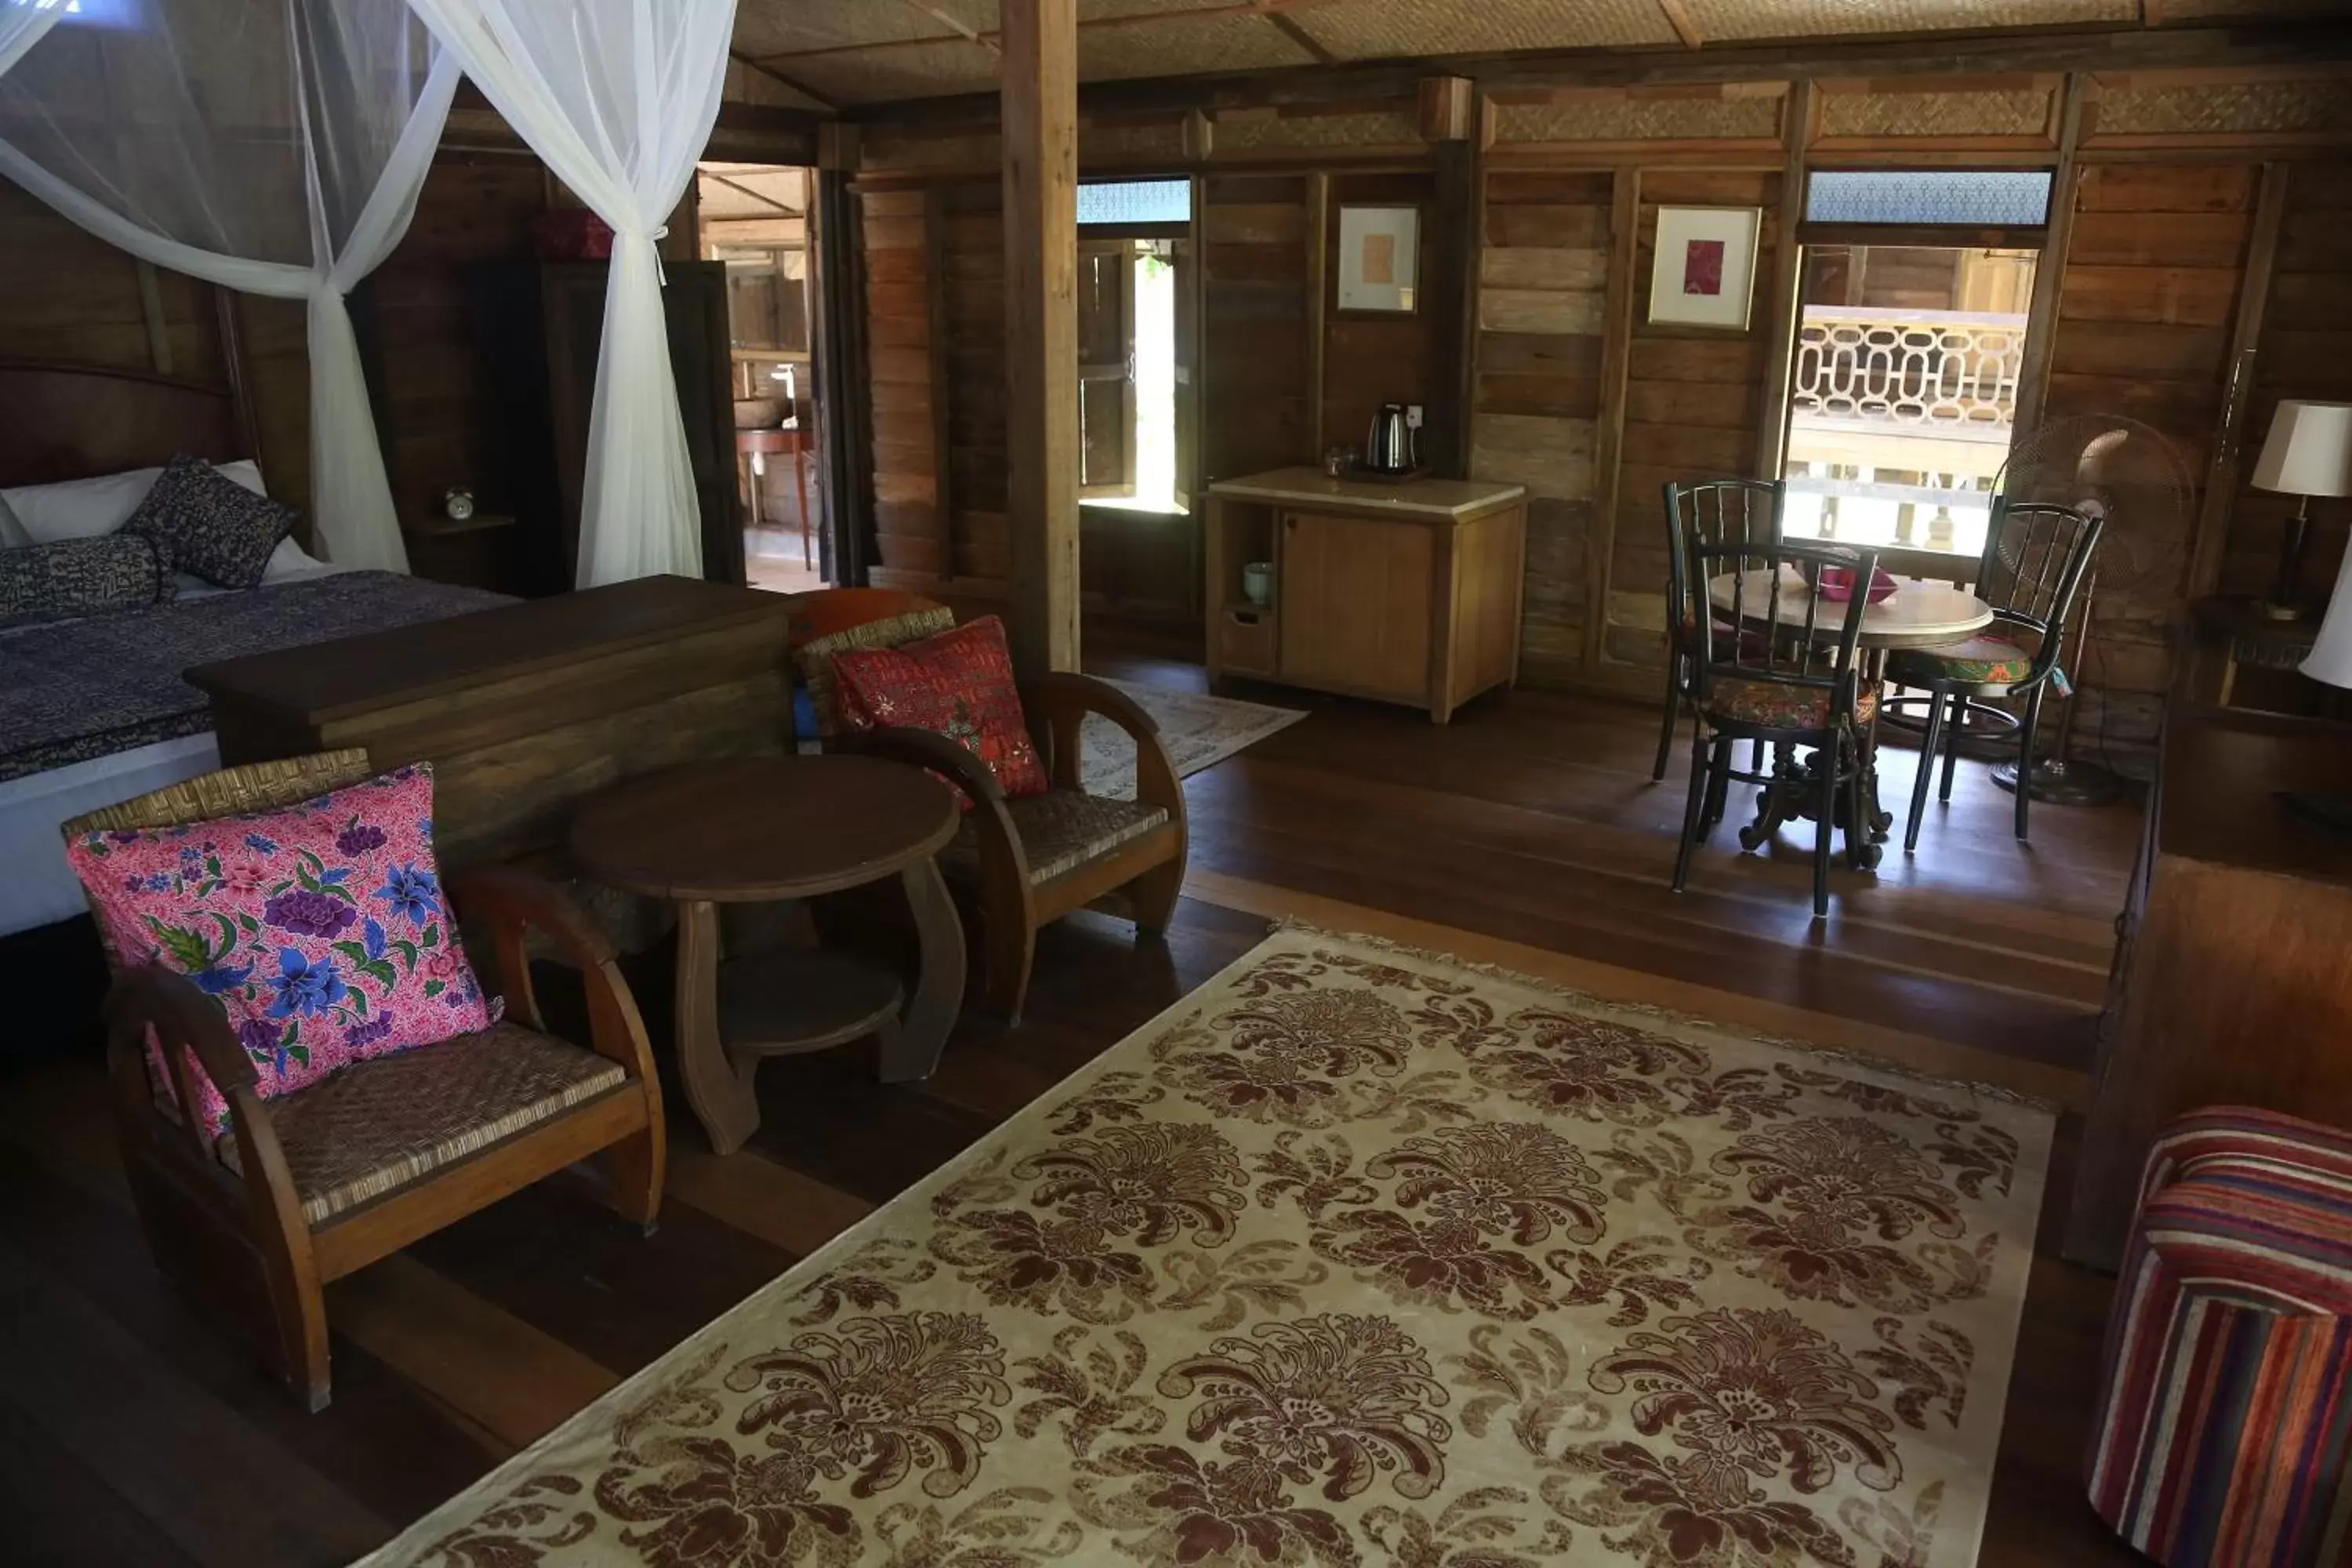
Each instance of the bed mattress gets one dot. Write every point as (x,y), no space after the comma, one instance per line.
(78,689)
(93,711)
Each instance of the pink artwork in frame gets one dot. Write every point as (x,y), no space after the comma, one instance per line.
(1702,267)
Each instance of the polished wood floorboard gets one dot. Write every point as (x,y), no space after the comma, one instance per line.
(131,1433)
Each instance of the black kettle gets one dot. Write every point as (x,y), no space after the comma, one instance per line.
(1393,444)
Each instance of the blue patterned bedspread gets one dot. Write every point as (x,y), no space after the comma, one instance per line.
(109,683)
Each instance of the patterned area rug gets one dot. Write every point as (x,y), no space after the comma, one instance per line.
(1356,1256)
(1199,731)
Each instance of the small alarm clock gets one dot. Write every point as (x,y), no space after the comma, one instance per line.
(458,503)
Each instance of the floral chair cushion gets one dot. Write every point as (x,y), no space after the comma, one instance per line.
(1777,705)
(320,928)
(958,684)
(1986,660)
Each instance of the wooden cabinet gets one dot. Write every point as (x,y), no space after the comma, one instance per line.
(537,330)
(2233,979)
(1402,592)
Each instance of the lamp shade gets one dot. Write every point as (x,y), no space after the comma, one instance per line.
(2309,452)
(2330,659)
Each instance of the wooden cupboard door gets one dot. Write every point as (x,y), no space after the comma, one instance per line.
(1355,612)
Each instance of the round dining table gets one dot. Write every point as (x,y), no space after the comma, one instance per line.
(1920,613)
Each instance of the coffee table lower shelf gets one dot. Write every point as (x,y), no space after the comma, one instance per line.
(783,1001)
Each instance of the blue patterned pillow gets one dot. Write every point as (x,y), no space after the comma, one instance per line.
(206,523)
(81,576)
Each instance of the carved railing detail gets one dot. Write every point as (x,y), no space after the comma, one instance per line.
(1921,369)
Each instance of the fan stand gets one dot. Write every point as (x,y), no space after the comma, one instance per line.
(2059,779)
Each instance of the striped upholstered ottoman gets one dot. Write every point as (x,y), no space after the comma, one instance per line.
(2225,1428)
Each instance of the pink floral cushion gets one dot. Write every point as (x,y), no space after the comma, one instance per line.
(320,928)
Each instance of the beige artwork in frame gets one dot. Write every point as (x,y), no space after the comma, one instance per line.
(1380,260)
(1704,270)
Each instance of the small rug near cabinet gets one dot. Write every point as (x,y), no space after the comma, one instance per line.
(1356,1256)
(1198,730)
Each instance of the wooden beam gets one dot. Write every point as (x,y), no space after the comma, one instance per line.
(1686,27)
(1319,295)
(1919,54)
(1780,304)
(1302,37)
(780,79)
(2050,272)
(1040,114)
(1448,108)
(1454,302)
(2210,545)
(1609,438)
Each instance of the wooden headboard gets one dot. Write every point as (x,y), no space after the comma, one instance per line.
(76,422)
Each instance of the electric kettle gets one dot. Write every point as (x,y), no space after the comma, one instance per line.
(1393,444)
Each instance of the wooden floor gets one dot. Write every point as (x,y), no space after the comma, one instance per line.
(131,1434)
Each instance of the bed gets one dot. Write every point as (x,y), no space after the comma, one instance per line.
(92,709)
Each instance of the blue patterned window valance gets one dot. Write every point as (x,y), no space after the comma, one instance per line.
(1135,202)
(2005,198)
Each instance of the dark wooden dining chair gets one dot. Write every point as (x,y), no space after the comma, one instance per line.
(2036,556)
(1782,669)
(1718,511)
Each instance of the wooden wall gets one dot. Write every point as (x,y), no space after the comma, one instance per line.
(1543,323)
(2150,288)
(2306,351)
(1255,324)
(1369,360)
(1693,402)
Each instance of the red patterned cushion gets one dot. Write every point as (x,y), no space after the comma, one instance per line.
(958,684)
(1777,705)
(320,928)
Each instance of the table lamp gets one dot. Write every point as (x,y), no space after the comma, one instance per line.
(2330,660)
(2309,453)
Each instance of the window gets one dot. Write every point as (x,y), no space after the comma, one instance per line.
(1130,202)
(1977,198)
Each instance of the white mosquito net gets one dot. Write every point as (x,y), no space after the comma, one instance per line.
(278,146)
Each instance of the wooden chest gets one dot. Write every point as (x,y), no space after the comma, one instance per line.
(525,708)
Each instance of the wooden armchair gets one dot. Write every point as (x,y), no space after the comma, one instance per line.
(1018,865)
(311,1185)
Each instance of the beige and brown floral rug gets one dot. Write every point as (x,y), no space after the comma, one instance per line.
(1356,1256)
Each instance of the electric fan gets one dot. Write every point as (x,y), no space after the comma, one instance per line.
(2125,471)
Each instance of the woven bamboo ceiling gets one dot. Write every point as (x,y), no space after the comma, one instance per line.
(851,52)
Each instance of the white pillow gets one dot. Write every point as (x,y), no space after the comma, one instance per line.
(84,509)
(289,563)
(12,532)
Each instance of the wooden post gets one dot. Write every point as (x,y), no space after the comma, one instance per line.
(1040,110)
(1450,123)
(2050,268)
(1780,310)
(1609,437)
(2221,497)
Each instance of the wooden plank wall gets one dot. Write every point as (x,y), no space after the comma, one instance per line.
(972,252)
(1692,405)
(1369,360)
(1542,322)
(2145,309)
(1255,324)
(2306,351)
(432,402)
(910,527)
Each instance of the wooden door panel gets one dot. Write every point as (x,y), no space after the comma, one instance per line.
(1355,613)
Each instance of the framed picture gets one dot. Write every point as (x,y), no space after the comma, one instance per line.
(1380,260)
(1704,274)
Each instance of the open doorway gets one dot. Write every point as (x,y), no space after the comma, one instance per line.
(754,218)
(1913,315)
(1137,323)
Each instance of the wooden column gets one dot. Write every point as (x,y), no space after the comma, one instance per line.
(1449,122)
(2221,494)
(1781,303)
(1040,41)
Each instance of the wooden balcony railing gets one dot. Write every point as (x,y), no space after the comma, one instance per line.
(1860,368)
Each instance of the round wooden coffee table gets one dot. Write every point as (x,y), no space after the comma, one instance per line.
(765,829)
